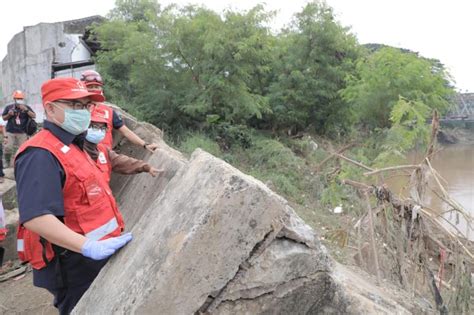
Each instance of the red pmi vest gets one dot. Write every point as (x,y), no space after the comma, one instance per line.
(108,113)
(103,162)
(89,206)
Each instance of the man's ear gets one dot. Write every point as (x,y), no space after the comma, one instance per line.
(49,108)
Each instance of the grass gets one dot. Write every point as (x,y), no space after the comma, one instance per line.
(288,166)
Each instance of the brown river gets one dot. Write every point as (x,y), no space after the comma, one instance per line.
(455,163)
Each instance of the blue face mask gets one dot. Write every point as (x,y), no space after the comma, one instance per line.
(76,121)
(95,135)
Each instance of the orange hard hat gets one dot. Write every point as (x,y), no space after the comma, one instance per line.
(18,95)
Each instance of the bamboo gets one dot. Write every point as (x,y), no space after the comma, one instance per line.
(372,238)
(353,162)
(393,168)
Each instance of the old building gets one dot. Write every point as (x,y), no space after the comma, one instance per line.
(44,51)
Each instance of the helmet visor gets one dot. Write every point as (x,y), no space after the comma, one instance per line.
(92,78)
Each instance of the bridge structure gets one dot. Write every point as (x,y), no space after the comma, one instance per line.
(461,114)
(462,107)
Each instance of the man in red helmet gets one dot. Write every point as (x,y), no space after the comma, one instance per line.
(108,160)
(94,84)
(17,115)
(69,221)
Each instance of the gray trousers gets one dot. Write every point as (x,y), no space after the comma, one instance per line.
(14,141)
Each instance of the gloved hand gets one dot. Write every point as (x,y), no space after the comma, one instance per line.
(98,250)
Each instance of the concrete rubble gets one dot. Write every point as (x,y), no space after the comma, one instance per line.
(209,239)
(8,198)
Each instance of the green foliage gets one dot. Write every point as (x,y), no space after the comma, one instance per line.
(275,164)
(409,129)
(388,74)
(186,68)
(228,136)
(314,57)
(333,195)
(194,141)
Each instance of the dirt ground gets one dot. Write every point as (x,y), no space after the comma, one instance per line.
(21,297)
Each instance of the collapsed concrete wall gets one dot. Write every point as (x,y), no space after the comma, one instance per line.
(32,53)
(210,239)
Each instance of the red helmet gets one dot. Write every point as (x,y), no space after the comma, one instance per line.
(91,77)
(18,95)
(98,115)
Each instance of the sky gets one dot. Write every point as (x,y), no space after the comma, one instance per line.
(435,28)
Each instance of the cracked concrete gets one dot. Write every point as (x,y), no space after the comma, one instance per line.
(209,239)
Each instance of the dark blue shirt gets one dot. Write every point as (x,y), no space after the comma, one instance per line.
(16,123)
(117,121)
(39,182)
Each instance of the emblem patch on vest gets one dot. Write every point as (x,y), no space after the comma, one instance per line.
(102,158)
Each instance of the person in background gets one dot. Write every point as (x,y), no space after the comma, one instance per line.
(108,160)
(16,115)
(94,84)
(4,138)
(69,221)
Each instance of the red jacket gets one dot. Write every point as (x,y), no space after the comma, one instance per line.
(107,113)
(89,206)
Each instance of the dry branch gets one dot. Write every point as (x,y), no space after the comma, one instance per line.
(353,162)
(332,155)
(390,169)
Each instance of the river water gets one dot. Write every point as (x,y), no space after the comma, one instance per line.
(455,163)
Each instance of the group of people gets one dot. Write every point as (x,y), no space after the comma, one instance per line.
(69,220)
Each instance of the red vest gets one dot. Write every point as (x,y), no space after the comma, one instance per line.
(89,206)
(103,162)
(3,233)
(108,113)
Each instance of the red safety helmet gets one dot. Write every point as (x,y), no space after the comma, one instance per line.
(98,116)
(90,77)
(18,95)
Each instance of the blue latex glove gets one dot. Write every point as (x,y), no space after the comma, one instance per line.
(98,250)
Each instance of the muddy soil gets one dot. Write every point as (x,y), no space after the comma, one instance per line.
(21,297)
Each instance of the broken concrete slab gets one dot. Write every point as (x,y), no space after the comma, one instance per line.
(135,193)
(8,190)
(218,241)
(11,219)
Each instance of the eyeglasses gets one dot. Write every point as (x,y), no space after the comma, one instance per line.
(98,126)
(76,105)
(92,78)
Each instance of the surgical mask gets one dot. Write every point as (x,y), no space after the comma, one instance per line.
(76,121)
(95,135)
(20,102)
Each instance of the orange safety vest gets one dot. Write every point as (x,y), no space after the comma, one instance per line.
(106,112)
(103,162)
(89,206)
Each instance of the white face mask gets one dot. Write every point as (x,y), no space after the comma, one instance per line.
(95,135)
(20,102)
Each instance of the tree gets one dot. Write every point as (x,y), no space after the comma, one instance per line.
(223,60)
(187,67)
(315,56)
(388,74)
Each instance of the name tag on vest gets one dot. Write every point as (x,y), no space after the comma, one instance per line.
(102,158)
